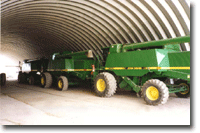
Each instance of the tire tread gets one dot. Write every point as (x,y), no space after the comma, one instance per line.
(163,90)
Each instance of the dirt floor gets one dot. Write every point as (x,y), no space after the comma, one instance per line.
(22,104)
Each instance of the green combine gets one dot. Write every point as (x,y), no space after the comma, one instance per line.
(151,69)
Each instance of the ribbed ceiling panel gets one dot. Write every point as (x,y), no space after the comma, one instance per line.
(31,28)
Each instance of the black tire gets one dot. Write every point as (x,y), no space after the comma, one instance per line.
(62,83)
(105,84)
(155,92)
(46,80)
(31,80)
(21,78)
(3,79)
(186,93)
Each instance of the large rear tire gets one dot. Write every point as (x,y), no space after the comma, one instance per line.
(63,83)
(105,84)
(155,92)
(46,80)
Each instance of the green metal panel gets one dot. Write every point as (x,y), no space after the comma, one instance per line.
(57,64)
(83,64)
(130,72)
(142,58)
(177,59)
(162,57)
(79,64)
(69,64)
(88,64)
(180,60)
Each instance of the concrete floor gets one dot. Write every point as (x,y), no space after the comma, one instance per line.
(22,104)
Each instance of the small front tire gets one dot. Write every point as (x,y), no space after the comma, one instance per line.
(63,83)
(155,92)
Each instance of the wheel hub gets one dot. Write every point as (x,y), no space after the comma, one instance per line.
(42,80)
(152,93)
(188,88)
(101,85)
(60,84)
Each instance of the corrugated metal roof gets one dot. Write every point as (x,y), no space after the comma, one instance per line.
(33,29)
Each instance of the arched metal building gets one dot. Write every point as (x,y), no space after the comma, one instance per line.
(31,29)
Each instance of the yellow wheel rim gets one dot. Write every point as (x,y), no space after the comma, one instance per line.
(188,89)
(42,80)
(101,85)
(60,84)
(152,93)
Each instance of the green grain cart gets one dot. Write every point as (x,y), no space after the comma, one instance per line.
(151,69)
